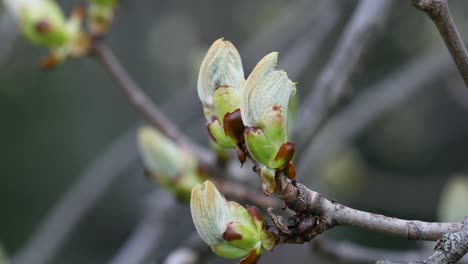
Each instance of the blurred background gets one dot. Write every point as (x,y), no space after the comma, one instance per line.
(63,126)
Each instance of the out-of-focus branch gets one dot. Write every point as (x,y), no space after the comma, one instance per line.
(8,34)
(350,252)
(192,250)
(333,86)
(301,17)
(142,103)
(439,13)
(77,201)
(147,235)
(305,47)
(450,248)
(377,99)
(134,93)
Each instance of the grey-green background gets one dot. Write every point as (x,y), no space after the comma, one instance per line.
(55,124)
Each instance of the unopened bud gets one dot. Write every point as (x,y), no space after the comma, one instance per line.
(101,14)
(219,81)
(172,166)
(231,230)
(43,23)
(264,106)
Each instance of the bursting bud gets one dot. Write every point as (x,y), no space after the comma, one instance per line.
(218,88)
(43,23)
(264,106)
(101,15)
(170,165)
(231,230)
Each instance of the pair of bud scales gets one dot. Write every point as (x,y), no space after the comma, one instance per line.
(247,115)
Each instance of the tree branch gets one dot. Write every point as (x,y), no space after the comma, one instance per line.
(330,213)
(134,93)
(333,86)
(450,248)
(439,13)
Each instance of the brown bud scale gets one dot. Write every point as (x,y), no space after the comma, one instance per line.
(230,234)
(233,125)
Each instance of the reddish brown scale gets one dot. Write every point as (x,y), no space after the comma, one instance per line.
(286,152)
(222,86)
(252,258)
(290,171)
(256,168)
(230,234)
(306,226)
(43,27)
(233,125)
(251,130)
(241,155)
(254,212)
(79,12)
(49,62)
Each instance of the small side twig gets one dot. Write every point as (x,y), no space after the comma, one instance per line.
(438,11)
(133,92)
(142,103)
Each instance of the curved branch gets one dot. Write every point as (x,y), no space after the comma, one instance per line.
(330,213)
(134,93)
(438,11)
(450,248)
(140,101)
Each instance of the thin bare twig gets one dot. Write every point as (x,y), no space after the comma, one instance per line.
(333,86)
(143,104)
(438,11)
(134,93)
